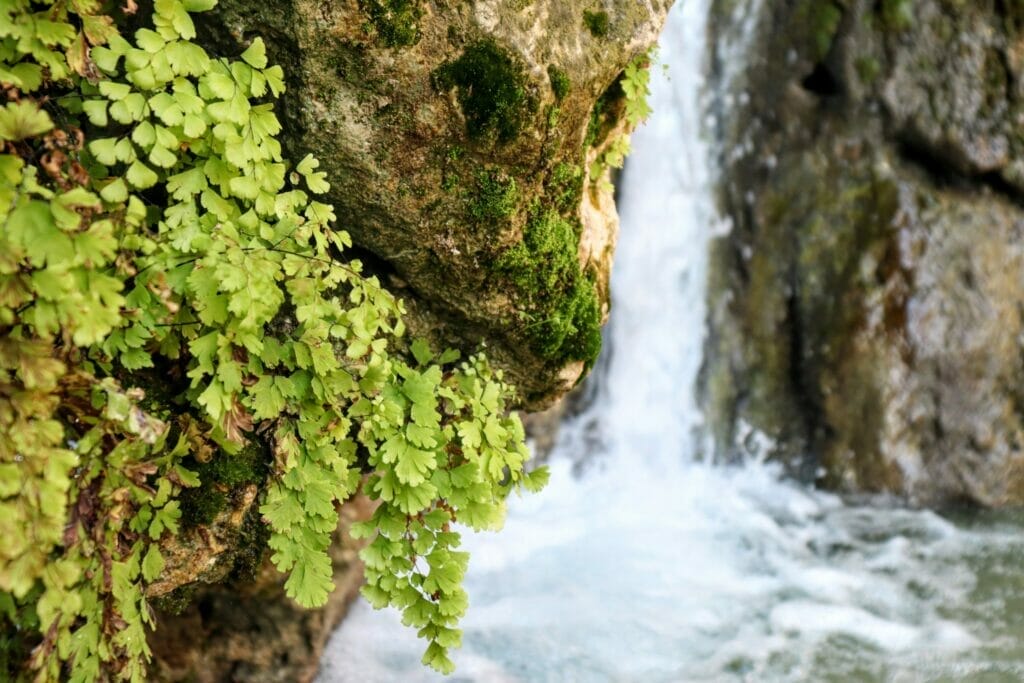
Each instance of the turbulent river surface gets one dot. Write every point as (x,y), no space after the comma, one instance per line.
(652,566)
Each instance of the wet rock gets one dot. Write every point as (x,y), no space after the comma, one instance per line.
(866,308)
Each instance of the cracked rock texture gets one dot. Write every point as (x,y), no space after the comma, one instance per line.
(867,307)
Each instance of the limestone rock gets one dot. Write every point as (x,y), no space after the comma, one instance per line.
(455,136)
(458,139)
(866,309)
(248,631)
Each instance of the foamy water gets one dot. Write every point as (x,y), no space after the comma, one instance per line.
(655,567)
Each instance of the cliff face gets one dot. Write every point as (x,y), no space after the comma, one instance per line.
(458,139)
(867,305)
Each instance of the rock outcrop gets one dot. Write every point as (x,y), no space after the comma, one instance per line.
(457,137)
(246,629)
(867,308)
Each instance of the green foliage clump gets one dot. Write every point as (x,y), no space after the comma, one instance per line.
(150,224)
(396,21)
(597,23)
(448,451)
(559,301)
(491,90)
(634,86)
(560,83)
(496,196)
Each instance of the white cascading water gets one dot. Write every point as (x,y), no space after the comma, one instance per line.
(655,567)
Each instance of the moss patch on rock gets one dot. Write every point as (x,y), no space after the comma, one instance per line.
(597,23)
(396,21)
(492,90)
(822,18)
(565,188)
(897,15)
(496,196)
(218,478)
(560,84)
(561,305)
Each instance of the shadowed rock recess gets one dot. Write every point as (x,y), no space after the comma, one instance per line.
(458,138)
(867,308)
(455,138)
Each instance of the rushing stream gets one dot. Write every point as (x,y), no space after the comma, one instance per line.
(652,566)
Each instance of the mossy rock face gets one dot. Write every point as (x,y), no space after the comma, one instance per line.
(492,91)
(396,22)
(444,128)
(596,22)
(246,629)
(866,308)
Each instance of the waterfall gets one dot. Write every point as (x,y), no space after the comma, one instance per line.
(654,566)
(658,283)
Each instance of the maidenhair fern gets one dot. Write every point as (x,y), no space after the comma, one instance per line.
(635,83)
(150,224)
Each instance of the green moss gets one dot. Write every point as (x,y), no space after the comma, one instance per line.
(565,188)
(248,466)
(494,197)
(396,21)
(251,546)
(560,84)
(455,152)
(822,18)
(868,69)
(217,478)
(492,90)
(546,258)
(449,181)
(554,113)
(597,22)
(897,15)
(560,302)
(200,506)
(178,600)
(582,311)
